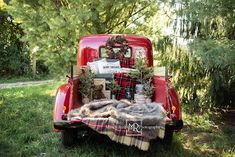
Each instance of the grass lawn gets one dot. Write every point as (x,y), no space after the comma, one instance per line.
(26,130)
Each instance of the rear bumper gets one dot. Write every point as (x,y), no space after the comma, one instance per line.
(175,125)
(62,125)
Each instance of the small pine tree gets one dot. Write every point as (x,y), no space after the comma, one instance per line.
(142,72)
(113,86)
(87,82)
(148,88)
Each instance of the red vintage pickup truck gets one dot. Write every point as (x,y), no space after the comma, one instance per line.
(89,49)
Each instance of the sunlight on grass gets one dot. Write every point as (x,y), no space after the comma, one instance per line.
(26,130)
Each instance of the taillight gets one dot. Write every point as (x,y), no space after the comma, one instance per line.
(64,109)
(173,108)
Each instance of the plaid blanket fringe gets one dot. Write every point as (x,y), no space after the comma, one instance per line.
(117,133)
(142,143)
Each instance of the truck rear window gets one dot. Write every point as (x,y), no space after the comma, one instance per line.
(116,50)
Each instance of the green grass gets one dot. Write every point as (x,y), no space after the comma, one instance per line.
(26,130)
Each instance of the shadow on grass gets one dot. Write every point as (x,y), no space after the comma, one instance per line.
(210,141)
(101,145)
(226,124)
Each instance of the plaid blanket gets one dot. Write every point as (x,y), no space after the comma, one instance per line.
(117,133)
(126,83)
(115,119)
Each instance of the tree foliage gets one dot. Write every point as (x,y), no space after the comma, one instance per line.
(211,19)
(53,28)
(14,58)
(204,71)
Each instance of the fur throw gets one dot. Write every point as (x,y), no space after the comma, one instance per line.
(152,115)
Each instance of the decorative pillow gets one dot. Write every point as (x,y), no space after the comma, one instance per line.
(94,65)
(107,67)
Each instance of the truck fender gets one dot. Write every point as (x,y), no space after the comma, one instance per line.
(175,103)
(61,105)
(167,95)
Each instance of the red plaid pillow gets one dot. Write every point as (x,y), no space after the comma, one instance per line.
(125,82)
(127,62)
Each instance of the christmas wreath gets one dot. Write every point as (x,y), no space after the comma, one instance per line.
(116,41)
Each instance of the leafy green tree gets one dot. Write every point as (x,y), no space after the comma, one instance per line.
(14,58)
(53,28)
(204,71)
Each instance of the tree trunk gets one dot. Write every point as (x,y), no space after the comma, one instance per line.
(34,64)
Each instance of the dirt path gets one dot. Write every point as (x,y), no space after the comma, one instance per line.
(23,84)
